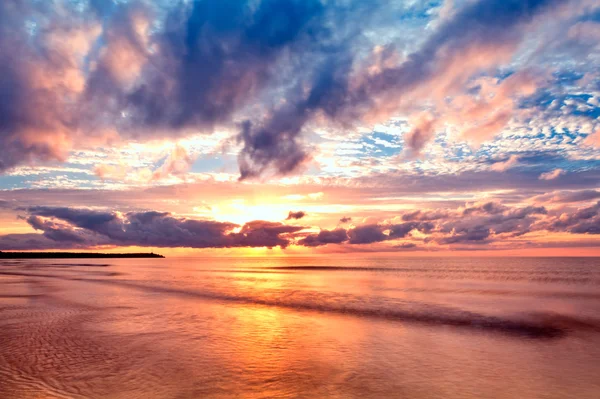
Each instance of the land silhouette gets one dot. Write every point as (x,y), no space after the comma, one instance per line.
(73,255)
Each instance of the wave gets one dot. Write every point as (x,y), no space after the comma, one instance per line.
(425,270)
(539,325)
(494,292)
(76,265)
(444,316)
(541,276)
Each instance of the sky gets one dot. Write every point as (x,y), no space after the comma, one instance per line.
(294,127)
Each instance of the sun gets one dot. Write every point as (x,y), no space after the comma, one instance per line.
(241,211)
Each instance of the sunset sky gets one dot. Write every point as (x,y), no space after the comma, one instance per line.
(300,126)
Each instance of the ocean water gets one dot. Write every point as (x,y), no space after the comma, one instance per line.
(300,328)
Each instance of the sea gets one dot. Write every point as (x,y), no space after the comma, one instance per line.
(300,327)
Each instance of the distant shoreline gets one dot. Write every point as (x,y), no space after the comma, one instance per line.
(72,255)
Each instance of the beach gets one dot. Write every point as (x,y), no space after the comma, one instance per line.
(305,327)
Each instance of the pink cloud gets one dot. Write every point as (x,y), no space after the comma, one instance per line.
(593,139)
(555,174)
(506,165)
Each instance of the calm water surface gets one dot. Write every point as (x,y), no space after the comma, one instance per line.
(300,328)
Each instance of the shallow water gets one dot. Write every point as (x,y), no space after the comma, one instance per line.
(300,328)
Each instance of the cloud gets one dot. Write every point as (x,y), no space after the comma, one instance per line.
(264,234)
(373,233)
(295,215)
(477,38)
(492,223)
(28,242)
(324,237)
(403,229)
(177,163)
(275,143)
(489,208)
(210,59)
(78,228)
(552,175)
(484,223)
(473,224)
(582,221)
(477,234)
(420,215)
(593,139)
(483,116)
(567,196)
(74,75)
(479,114)
(41,78)
(505,165)
(421,133)
(406,246)
(206,63)
(367,234)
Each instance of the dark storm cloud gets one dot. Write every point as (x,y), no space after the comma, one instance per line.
(324,237)
(272,66)
(366,234)
(77,228)
(295,215)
